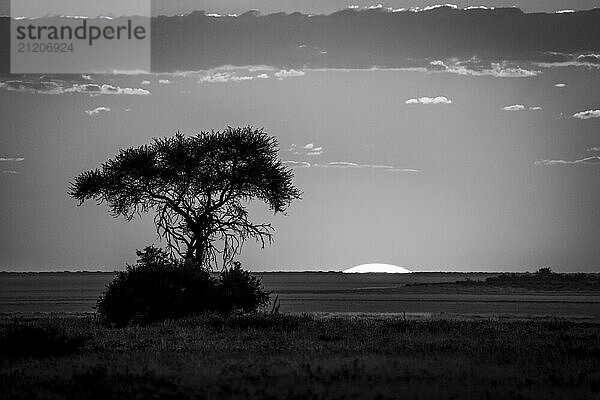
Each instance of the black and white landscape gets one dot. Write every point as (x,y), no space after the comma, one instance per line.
(452,151)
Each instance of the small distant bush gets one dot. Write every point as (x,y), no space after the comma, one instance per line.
(157,288)
(19,339)
(239,290)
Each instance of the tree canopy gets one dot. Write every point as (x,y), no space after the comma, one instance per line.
(198,186)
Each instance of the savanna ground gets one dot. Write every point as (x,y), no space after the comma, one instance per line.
(300,357)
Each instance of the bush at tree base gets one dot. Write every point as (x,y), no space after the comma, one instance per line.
(158,288)
(239,290)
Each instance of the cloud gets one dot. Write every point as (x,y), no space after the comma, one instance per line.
(429,100)
(560,85)
(589,59)
(63,87)
(476,67)
(296,164)
(226,77)
(216,78)
(348,164)
(12,159)
(514,107)
(233,74)
(339,164)
(589,114)
(521,107)
(97,111)
(307,150)
(222,77)
(288,73)
(595,148)
(164,81)
(594,160)
(309,51)
(95,89)
(571,60)
(146,82)
(10,172)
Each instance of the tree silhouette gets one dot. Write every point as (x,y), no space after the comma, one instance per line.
(198,186)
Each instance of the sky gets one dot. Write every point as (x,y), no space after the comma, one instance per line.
(448,164)
(174,7)
(170,7)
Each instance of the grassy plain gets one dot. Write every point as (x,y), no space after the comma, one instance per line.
(300,357)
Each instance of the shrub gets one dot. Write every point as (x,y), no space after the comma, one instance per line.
(156,288)
(19,339)
(238,290)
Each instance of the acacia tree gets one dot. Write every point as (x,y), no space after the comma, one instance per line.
(198,186)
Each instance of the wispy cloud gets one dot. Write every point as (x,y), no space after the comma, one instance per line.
(521,107)
(296,164)
(229,73)
(12,159)
(570,60)
(95,89)
(308,149)
(588,160)
(589,114)
(222,77)
(348,165)
(62,87)
(97,111)
(476,67)
(429,100)
(589,59)
(514,107)
(288,73)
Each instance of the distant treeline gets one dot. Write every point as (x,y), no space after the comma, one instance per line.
(543,279)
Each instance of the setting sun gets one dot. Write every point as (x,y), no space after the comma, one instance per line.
(376,268)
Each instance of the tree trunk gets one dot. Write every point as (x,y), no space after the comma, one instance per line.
(196,251)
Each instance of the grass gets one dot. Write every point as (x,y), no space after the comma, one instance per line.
(19,339)
(304,357)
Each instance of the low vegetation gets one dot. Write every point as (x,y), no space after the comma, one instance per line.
(36,340)
(158,287)
(543,279)
(259,356)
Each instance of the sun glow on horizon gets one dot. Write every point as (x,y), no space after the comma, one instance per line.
(376,268)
